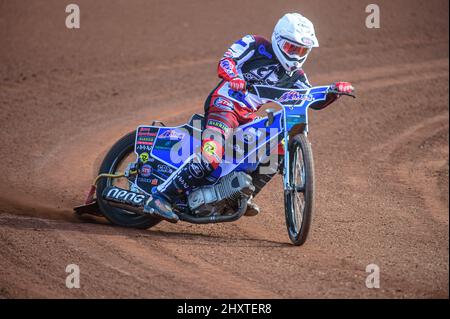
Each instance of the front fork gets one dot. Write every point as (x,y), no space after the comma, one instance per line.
(286,167)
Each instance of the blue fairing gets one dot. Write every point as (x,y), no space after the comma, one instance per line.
(167,148)
(254,137)
(174,145)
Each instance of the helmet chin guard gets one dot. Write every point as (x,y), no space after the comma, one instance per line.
(292,40)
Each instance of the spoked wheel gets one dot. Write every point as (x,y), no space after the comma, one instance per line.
(299,200)
(116,161)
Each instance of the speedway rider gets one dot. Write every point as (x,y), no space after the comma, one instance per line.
(251,60)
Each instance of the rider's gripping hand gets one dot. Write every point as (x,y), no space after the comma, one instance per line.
(343,87)
(237,84)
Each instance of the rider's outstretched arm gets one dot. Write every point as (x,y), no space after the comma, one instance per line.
(339,87)
(227,69)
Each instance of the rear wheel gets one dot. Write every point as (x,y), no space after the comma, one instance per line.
(299,200)
(116,160)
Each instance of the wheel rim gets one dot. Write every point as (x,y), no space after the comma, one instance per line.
(298,192)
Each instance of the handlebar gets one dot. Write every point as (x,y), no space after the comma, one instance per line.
(251,89)
(341,93)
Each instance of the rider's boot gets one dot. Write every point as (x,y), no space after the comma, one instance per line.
(252,209)
(192,173)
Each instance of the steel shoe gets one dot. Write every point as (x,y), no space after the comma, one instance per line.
(159,206)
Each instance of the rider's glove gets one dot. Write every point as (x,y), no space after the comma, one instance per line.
(237,84)
(343,87)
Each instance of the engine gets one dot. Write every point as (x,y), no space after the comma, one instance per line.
(221,197)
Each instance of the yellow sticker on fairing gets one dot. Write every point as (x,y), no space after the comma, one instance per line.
(144,157)
(209,148)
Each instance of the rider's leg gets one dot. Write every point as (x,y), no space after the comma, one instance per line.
(194,171)
(198,167)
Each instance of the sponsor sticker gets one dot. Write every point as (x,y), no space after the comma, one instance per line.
(141,147)
(196,170)
(164,169)
(144,179)
(209,148)
(295,96)
(144,157)
(262,50)
(146,134)
(307,41)
(123,195)
(223,104)
(146,139)
(165,145)
(171,135)
(146,170)
(218,124)
(227,67)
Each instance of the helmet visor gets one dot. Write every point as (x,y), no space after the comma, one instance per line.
(295,50)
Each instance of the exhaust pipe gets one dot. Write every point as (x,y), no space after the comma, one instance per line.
(135,202)
(125,199)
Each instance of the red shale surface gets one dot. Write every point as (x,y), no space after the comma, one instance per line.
(381,160)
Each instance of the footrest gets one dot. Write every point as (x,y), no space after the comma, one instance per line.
(91,209)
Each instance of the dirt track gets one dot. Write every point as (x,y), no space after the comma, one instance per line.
(381,160)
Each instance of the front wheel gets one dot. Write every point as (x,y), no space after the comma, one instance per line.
(116,161)
(299,199)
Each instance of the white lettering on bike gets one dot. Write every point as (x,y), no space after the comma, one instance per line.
(124,195)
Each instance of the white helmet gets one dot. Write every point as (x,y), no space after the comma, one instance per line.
(292,40)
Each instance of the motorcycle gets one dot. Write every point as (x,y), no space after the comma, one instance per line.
(145,158)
